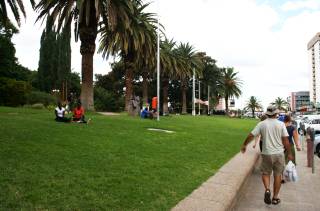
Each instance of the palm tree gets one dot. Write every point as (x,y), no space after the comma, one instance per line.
(86,15)
(230,84)
(191,61)
(133,41)
(16,7)
(280,103)
(253,104)
(170,62)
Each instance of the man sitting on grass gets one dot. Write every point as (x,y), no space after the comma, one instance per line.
(60,114)
(78,114)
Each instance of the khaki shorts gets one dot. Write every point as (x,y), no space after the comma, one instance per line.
(273,163)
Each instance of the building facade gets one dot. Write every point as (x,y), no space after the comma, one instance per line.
(300,101)
(314,68)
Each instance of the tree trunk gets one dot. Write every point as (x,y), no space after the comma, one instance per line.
(88,34)
(226,100)
(145,87)
(253,113)
(129,79)
(184,96)
(165,86)
(87,82)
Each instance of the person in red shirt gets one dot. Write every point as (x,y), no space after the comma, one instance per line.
(78,114)
(154,104)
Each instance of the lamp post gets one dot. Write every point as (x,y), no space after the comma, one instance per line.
(193,93)
(199,98)
(208,100)
(158,64)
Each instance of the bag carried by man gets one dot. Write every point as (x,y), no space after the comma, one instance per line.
(290,172)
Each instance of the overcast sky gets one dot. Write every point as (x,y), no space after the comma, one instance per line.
(264,40)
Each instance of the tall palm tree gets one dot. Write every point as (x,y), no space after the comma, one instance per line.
(280,103)
(170,62)
(134,42)
(253,104)
(86,15)
(230,84)
(16,7)
(191,60)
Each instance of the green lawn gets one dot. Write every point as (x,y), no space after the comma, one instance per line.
(115,163)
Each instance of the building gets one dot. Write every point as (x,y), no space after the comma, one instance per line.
(300,101)
(221,106)
(314,68)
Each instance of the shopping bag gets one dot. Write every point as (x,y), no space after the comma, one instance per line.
(290,172)
(295,174)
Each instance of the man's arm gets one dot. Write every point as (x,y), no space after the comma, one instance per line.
(286,144)
(249,138)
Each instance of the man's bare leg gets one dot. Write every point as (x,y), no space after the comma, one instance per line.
(276,185)
(266,181)
(267,193)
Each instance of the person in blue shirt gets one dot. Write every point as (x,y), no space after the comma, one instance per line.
(144,113)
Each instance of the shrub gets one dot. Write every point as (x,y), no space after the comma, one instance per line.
(51,107)
(13,92)
(44,98)
(106,101)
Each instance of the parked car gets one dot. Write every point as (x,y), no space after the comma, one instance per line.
(315,124)
(305,121)
(316,144)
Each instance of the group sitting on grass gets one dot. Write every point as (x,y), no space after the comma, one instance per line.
(78,114)
(146,112)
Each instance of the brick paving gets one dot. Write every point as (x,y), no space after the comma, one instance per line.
(303,195)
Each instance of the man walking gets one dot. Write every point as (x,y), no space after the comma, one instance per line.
(275,138)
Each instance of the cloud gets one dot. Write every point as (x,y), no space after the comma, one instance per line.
(298,5)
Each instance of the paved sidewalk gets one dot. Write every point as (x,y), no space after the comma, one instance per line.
(303,195)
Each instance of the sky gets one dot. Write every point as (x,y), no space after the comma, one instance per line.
(265,41)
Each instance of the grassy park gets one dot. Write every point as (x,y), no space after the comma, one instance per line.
(115,163)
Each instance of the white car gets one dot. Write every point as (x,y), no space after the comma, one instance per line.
(316,143)
(315,124)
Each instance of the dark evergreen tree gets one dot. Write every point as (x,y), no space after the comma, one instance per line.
(54,70)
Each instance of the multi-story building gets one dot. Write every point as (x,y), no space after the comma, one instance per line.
(221,106)
(314,68)
(300,101)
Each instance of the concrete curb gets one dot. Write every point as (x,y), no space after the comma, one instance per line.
(222,191)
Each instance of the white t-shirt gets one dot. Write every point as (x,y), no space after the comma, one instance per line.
(60,111)
(271,131)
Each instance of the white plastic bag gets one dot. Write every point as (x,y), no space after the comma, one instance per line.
(290,172)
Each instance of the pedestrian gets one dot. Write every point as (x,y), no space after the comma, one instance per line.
(275,139)
(293,138)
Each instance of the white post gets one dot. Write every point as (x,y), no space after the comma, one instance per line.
(199,98)
(208,100)
(193,93)
(158,65)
